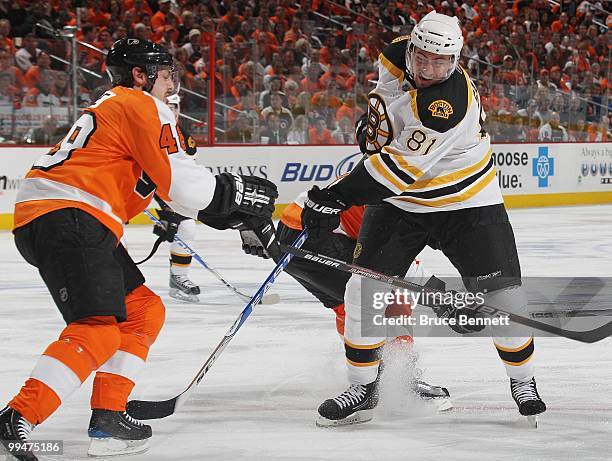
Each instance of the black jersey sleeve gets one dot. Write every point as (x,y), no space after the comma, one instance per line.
(442,107)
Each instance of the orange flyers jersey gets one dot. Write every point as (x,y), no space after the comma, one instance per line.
(124,147)
(350,220)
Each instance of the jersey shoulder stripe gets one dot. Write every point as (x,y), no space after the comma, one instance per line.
(393,56)
(442,107)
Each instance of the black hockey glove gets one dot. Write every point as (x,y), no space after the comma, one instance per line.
(460,318)
(321,211)
(259,238)
(361,132)
(169,224)
(249,195)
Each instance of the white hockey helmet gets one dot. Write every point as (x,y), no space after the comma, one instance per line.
(439,34)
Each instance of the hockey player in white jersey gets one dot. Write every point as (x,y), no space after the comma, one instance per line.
(172,223)
(430,180)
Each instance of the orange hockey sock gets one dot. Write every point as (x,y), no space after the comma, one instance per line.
(81,348)
(116,378)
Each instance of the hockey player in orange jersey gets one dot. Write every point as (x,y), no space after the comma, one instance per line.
(69,219)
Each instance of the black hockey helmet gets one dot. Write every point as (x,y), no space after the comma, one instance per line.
(128,53)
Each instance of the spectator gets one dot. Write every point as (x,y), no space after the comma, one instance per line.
(9,94)
(239,87)
(276,106)
(311,83)
(61,88)
(168,38)
(49,134)
(187,23)
(314,61)
(334,74)
(7,67)
(553,131)
(350,110)
(26,56)
(5,36)
(105,39)
(544,81)
(291,91)
(302,106)
(139,9)
(531,117)
(578,131)
(242,131)
(344,133)
(142,31)
(43,64)
(559,105)
(517,131)
(319,134)
(193,46)
(295,32)
(41,95)
(298,134)
(327,102)
(468,9)
(160,18)
(246,105)
(230,23)
(275,84)
(598,130)
(273,133)
(542,100)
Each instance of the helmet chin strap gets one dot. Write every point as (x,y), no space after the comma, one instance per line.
(151,76)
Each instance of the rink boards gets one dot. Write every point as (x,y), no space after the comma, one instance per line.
(530,175)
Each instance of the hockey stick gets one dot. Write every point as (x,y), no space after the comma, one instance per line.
(571,313)
(156,409)
(589,336)
(267,299)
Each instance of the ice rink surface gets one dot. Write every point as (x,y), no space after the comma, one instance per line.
(259,400)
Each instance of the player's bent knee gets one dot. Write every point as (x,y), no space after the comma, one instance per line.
(146,314)
(155,319)
(352,297)
(511,298)
(98,336)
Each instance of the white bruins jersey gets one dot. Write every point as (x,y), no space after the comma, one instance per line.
(429,149)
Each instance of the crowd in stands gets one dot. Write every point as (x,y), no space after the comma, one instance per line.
(299,73)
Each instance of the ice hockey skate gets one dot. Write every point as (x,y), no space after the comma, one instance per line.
(14,428)
(115,433)
(355,405)
(529,402)
(182,288)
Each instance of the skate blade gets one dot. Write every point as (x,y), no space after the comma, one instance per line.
(533,421)
(177,294)
(109,446)
(361,416)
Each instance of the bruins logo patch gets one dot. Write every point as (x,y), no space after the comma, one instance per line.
(441,109)
(191,142)
(357,251)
